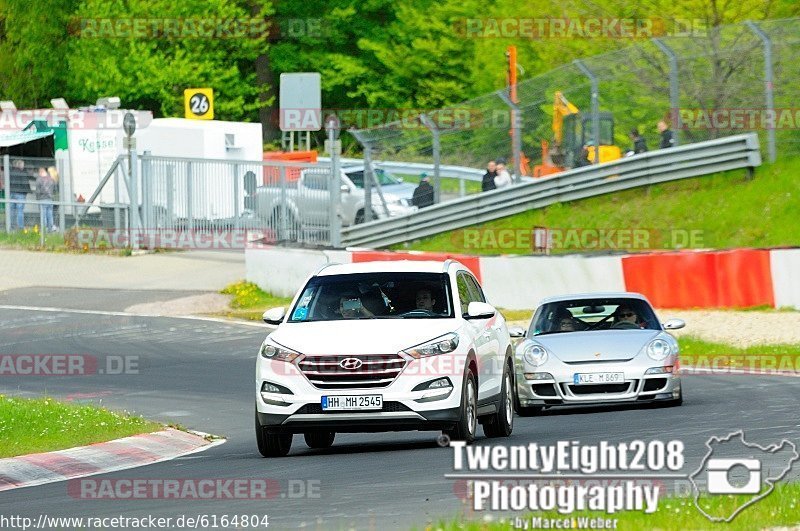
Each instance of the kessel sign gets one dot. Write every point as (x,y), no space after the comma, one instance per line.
(199,103)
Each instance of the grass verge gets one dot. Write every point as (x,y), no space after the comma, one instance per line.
(779,508)
(704,354)
(43,425)
(727,210)
(30,240)
(250,302)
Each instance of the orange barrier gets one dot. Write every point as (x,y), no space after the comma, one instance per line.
(725,279)
(272,174)
(472,263)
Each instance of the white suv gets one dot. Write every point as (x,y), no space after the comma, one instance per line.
(384,346)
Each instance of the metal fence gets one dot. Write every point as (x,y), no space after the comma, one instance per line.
(710,84)
(690,160)
(23,209)
(273,201)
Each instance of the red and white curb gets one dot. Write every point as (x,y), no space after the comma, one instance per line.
(100,458)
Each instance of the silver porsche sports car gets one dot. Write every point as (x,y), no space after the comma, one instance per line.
(596,348)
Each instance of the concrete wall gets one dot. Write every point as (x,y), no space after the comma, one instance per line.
(687,279)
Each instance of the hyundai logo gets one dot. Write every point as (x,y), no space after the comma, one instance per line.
(351,364)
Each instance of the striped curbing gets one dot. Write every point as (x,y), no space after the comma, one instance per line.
(100,458)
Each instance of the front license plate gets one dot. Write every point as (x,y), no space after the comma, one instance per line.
(352,403)
(598,378)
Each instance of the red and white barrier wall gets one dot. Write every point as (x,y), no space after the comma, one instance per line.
(686,279)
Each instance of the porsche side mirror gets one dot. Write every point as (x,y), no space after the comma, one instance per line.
(674,324)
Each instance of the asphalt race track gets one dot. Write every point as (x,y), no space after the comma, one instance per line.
(200,374)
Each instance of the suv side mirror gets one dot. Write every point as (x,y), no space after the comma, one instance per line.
(480,310)
(274,316)
(345,189)
(674,324)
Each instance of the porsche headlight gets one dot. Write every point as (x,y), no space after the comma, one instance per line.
(272,351)
(659,349)
(534,354)
(440,345)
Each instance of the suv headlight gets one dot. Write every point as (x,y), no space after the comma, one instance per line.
(658,349)
(440,345)
(534,354)
(273,351)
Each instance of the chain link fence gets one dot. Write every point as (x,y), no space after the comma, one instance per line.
(709,84)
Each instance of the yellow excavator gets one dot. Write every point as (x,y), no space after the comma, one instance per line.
(572,130)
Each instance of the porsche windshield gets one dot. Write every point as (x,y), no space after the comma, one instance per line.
(374,296)
(594,314)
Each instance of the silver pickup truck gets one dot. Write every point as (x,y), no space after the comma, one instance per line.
(306,201)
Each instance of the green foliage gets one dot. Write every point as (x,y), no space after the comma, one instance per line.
(33,45)
(153,72)
(371,53)
(727,210)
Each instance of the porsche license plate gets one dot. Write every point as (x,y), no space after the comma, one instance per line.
(598,378)
(352,403)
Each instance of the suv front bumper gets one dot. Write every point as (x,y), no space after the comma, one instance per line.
(404,409)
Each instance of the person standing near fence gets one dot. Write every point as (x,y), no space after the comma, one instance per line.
(54,175)
(423,194)
(639,144)
(503,178)
(45,190)
(487,183)
(19,186)
(667,138)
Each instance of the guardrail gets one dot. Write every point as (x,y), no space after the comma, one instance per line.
(690,160)
(415,168)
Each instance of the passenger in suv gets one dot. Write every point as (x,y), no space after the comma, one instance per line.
(427,353)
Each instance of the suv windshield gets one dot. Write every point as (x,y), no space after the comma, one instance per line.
(383,177)
(593,314)
(374,296)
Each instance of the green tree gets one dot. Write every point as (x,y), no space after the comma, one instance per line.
(150,68)
(33,46)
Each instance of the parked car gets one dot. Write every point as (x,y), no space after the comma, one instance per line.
(593,349)
(390,184)
(306,201)
(384,346)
